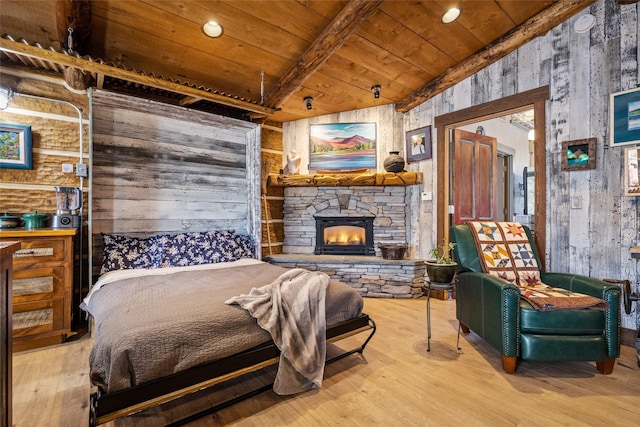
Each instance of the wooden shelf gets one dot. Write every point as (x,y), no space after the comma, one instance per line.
(346,179)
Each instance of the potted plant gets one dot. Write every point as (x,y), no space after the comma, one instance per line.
(441,269)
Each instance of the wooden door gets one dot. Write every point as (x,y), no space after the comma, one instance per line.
(474,177)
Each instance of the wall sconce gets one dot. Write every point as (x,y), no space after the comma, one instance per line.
(309,101)
(376,91)
(6,93)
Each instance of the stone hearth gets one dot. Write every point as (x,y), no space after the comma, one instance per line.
(371,276)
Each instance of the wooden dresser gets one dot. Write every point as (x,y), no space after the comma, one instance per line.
(7,250)
(42,285)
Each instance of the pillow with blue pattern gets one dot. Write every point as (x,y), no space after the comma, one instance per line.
(126,252)
(174,250)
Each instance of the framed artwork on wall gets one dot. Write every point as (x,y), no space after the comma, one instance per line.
(342,146)
(579,154)
(624,118)
(631,174)
(419,144)
(15,146)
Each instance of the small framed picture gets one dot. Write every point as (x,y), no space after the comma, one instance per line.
(579,154)
(624,120)
(15,146)
(631,175)
(419,144)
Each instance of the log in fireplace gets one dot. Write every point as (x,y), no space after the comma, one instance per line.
(344,235)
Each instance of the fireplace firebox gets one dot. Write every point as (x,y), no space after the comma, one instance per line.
(344,235)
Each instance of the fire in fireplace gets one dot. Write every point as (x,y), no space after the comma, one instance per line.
(347,235)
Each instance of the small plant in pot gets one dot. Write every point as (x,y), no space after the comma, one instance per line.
(441,269)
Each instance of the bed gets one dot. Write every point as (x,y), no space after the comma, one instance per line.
(165,324)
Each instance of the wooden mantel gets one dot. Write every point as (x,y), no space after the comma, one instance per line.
(346,179)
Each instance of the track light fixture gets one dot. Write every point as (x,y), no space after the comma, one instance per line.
(309,101)
(376,91)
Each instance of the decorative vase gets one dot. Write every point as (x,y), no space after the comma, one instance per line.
(394,162)
(441,275)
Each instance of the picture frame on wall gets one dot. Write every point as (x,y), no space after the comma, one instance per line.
(15,146)
(624,120)
(579,154)
(419,144)
(631,171)
(342,146)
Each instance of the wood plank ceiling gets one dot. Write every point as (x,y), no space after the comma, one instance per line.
(273,54)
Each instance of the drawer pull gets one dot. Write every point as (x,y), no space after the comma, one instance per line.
(23,253)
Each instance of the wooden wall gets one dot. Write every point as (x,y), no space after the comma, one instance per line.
(581,69)
(55,131)
(160,168)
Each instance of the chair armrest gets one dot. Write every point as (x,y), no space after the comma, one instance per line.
(578,283)
(489,306)
(599,289)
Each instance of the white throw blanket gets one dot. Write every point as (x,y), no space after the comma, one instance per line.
(292,310)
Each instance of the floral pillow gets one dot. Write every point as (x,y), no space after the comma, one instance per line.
(125,252)
(203,248)
(174,250)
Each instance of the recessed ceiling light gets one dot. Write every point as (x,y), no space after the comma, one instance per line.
(212,29)
(451,15)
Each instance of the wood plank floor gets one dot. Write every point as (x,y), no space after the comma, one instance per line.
(396,383)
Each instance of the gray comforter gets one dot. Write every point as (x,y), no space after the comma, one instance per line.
(152,326)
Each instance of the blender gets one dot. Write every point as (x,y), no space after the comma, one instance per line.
(68,204)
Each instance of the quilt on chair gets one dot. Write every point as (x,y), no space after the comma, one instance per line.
(506,253)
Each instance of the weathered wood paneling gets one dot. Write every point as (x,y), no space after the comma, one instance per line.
(158,168)
(581,70)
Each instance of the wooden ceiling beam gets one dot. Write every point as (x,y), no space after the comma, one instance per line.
(73,23)
(536,26)
(74,15)
(354,13)
(130,76)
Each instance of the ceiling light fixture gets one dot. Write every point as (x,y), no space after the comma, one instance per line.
(308,100)
(212,29)
(450,15)
(376,91)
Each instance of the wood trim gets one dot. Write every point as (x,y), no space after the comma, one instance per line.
(536,98)
(346,180)
(536,26)
(39,232)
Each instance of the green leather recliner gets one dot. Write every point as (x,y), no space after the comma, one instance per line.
(492,308)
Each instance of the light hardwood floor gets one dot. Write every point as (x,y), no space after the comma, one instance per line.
(396,383)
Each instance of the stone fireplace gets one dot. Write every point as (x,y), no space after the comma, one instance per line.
(384,206)
(376,204)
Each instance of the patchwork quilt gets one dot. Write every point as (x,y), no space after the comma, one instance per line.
(506,253)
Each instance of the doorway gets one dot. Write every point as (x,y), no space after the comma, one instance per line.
(534,99)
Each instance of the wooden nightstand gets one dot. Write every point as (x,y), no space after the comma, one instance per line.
(42,286)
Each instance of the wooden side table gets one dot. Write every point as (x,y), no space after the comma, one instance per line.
(7,250)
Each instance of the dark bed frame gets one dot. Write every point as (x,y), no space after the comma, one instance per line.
(105,407)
